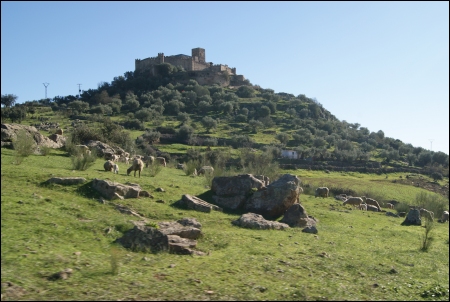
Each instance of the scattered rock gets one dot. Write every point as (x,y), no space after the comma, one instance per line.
(276,198)
(66,180)
(256,221)
(62,275)
(113,190)
(413,218)
(168,236)
(195,203)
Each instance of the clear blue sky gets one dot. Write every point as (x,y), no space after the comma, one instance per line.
(384,65)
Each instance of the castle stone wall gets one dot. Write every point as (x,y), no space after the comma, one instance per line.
(204,72)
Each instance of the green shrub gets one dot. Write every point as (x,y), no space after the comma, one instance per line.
(426,238)
(24,146)
(191,166)
(45,150)
(154,168)
(82,162)
(432,202)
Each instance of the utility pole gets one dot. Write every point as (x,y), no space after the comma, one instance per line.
(431,149)
(46,84)
(79,90)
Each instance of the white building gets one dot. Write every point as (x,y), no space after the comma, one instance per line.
(289,154)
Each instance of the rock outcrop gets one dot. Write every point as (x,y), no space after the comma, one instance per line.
(66,180)
(232,192)
(296,216)
(273,201)
(113,190)
(9,134)
(175,237)
(412,218)
(194,203)
(100,147)
(256,221)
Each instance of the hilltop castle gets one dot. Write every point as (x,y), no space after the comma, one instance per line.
(206,73)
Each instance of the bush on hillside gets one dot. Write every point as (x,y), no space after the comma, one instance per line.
(24,146)
(81,161)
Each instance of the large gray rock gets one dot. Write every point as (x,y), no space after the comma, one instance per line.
(9,134)
(231,202)
(273,200)
(413,218)
(227,186)
(66,180)
(59,139)
(100,147)
(296,216)
(113,190)
(194,203)
(173,237)
(256,221)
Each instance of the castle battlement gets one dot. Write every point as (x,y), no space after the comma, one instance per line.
(195,62)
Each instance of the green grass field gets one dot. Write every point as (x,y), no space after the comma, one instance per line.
(356,255)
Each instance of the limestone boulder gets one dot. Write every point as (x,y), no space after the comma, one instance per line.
(175,237)
(100,147)
(194,203)
(230,202)
(66,180)
(114,190)
(296,216)
(9,134)
(59,139)
(273,201)
(256,221)
(235,185)
(412,218)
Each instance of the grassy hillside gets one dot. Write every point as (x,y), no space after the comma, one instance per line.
(356,255)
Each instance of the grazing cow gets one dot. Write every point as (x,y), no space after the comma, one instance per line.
(427,214)
(206,169)
(372,208)
(354,201)
(138,165)
(161,160)
(83,149)
(444,217)
(108,165)
(148,160)
(371,201)
(390,206)
(322,192)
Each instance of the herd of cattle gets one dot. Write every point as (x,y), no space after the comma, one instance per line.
(369,204)
(138,162)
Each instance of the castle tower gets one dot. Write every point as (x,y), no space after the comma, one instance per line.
(161,57)
(200,53)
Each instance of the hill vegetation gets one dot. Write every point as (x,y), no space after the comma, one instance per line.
(356,255)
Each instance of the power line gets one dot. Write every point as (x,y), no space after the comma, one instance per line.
(46,84)
(431,142)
